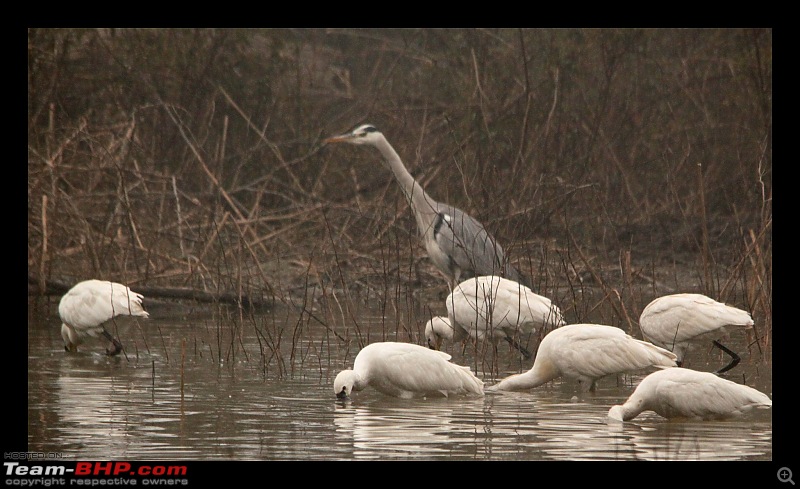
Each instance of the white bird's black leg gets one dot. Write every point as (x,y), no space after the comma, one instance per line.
(735,359)
(522,349)
(117,345)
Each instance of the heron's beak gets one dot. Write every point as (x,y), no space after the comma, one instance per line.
(338,139)
(341,395)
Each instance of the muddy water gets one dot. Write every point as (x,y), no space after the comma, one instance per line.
(197,387)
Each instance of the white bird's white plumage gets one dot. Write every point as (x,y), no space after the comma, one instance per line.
(406,370)
(87,306)
(587,352)
(438,328)
(683,393)
(679,322)
(493,308)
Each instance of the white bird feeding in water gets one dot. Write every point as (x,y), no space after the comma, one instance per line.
(406,370)
(457,244)
(87,306)
(683,393)
(439,328)
(493,308)
(678,322)
(586,352)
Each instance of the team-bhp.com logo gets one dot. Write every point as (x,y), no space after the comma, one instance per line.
(93,474)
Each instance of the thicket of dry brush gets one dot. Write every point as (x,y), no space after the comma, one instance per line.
(636,162)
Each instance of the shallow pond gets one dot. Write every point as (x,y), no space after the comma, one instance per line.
(198,387)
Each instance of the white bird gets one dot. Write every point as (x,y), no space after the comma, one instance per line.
(587,352)
(683,393)
(679,322)
(406,370)
(439,328)
(87,306)
(457,244)
(493,308)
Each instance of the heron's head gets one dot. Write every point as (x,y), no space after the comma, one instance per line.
(363,134)
(343,384)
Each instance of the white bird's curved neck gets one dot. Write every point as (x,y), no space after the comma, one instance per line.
(359,381)
(539,374)
(527,380)
(443,329)
(630,410)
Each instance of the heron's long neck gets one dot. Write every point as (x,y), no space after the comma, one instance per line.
(421,203)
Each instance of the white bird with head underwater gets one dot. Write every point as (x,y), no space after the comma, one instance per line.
(89,305)
(406,370)
(587,353)
(680,322)
(493,308)
(684,393)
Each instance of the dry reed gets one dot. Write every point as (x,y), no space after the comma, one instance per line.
(604,160)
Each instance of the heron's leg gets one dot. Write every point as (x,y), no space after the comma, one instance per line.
(117,345)
(735,359)
(525,352)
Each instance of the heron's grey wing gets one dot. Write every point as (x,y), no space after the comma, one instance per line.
(469,245)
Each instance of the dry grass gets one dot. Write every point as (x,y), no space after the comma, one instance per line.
(613,165)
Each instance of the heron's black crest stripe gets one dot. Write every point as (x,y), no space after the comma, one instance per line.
(370,129)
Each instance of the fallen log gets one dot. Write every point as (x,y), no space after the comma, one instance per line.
(58,287)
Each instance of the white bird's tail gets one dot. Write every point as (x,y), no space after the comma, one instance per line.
(659,357)
(471,383)
(735,316)
(124,301)
(136,307)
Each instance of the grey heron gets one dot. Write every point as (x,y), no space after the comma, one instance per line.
(457,244)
